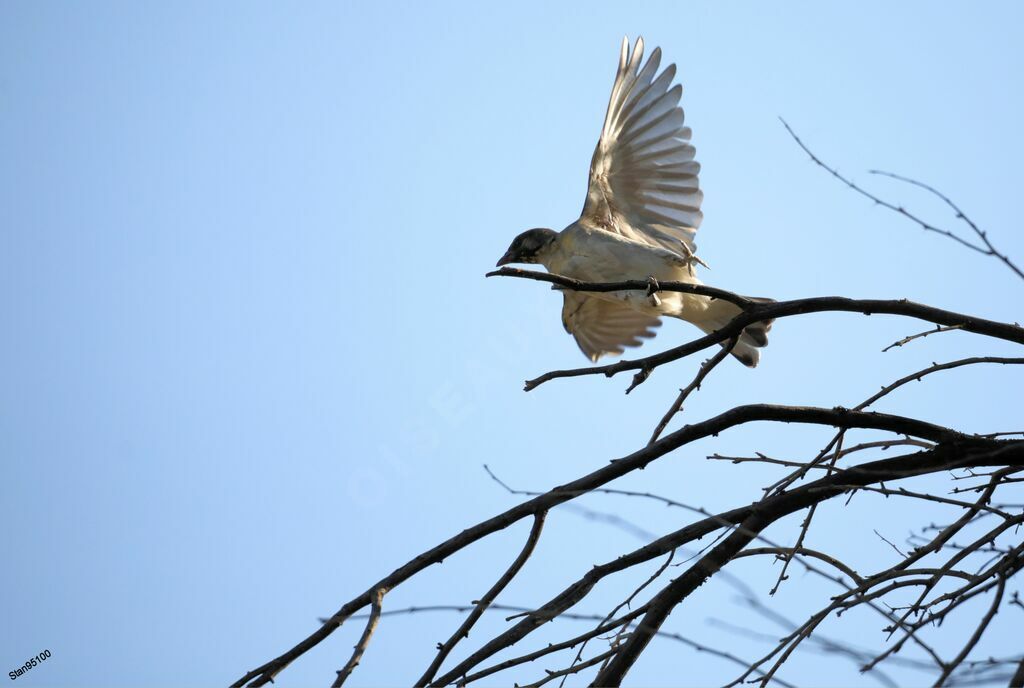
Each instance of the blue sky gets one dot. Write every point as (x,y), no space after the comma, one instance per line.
(250,363)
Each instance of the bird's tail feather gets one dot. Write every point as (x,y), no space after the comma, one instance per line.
(754,337)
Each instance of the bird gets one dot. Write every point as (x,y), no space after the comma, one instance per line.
(638,222)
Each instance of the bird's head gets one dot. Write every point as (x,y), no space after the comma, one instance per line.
(528,246)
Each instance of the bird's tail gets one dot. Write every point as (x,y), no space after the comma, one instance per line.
(755,336)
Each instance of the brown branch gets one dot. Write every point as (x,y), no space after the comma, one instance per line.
(575,668)
(550,649)
(945,456)
(934,546)
(665,601)
(784,552)
(935,368)
(987,249)
(784,309)
(976,636)
(938,499)
(981,234)
(906,340)
(806,525)
(802,465)
(917,376)
(463,631)
(705,368)
(738,416)
(625,603)
(857,596)
(556,647)
(885,204)
(717,653)
(760,514)
(364,641)
(627,285)
(1018,676)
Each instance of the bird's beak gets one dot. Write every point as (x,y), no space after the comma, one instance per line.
(505,259)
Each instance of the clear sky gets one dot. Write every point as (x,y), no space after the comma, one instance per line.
(249,363)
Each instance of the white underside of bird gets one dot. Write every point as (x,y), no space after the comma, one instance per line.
(603,322)
(641,214)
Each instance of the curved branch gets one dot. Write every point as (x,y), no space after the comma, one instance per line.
(758,312)
(838,417)
(988,249)
(771,509)
(627,285)
(485,601)
(980,233)
(705,368)
(957,454)
(781,552)
(364,641)
(665,601)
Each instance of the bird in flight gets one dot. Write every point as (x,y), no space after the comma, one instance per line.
(641,214)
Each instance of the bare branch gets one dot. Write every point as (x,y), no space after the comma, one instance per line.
(935,368)
(981,234)
(644,285)
(920,335)
(954,450)
(463,631)
(976,636)
(677,406)
(665,601)
(364,641)
(987,249)
(784,309)
(1018,676)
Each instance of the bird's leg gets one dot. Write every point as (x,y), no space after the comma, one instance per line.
(692,258)
(652,291)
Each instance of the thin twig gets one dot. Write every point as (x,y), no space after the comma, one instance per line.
(705,368)
(360,648)
(783,309)
(444,649)
(987,249)
(626,285)
(976,636)
(906,340)
(981,234)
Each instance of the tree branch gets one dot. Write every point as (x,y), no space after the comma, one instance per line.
(677,406)
(956,454)
(364,641)
(758,312)
(629,285)
(463,631)
(617,468)
(987,249)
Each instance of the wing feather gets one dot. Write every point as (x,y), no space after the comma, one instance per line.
(643,176)
(604,327)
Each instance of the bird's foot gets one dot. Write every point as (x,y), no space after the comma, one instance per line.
(692,258)
(652,288)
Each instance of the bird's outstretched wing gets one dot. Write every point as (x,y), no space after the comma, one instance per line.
(643,178)
(604,327)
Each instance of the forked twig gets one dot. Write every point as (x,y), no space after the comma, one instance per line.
(364,641)
(985,248)
(444,649)
(705,368)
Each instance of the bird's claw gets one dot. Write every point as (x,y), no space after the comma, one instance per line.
(692,258)
(652,288)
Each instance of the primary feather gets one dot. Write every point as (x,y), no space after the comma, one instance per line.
(643,176)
